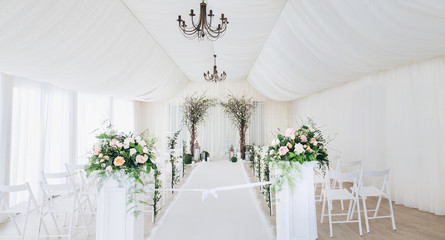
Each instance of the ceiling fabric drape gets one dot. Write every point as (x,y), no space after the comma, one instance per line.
(316,45)
(89,46)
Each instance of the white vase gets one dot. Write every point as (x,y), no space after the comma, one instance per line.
(113,221)
(295,208)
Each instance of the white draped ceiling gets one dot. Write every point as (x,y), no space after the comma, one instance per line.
(285,49)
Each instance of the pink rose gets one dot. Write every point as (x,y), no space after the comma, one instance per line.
(303,138)
(141,159)
(97,151)
(283,150)
(100,155)
(106,157)
(309,150)
(114,142)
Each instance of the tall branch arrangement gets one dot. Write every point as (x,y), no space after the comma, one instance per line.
(240,110)
(194,112)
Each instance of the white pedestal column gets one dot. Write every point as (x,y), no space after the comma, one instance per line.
(296,216)
(113,221)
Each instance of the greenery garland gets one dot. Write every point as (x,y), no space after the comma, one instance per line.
(171,145)
(156,194)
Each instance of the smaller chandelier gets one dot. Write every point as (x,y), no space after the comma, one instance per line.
(214,77)
(203,28)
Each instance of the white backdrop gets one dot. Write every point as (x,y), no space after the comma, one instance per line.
(163,117)
(391,119)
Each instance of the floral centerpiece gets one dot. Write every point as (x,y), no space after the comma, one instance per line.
(290,150)
(123,157)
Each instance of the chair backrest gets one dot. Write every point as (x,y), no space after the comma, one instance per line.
(7,189)
(59,177)
(341,164)
(343,177)
(376,174)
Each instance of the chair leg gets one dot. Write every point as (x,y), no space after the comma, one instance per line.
(378,205)
(330,218)
(392,214)
(350,210)
(341,186)
(359,217)
(365,210)
(322,210)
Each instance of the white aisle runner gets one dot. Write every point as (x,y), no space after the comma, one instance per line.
(234,215)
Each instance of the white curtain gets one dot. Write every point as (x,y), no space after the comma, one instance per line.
(43,127)
(164,118)
(391,119)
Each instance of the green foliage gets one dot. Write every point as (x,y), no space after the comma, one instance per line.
(126,158)
(287,152)
(188,158)
(171,145)
(234,159)
(156,194)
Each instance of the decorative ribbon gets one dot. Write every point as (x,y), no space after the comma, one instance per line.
(213,191)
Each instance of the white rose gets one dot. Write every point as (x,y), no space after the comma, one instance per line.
(119,144)
(145,150)
(275,142)
(299,148)
(142,143)
(272,152)
(109,168)
(132,151)
(138,138)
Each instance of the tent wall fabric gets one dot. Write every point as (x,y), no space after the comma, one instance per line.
(316,45)
(393,119)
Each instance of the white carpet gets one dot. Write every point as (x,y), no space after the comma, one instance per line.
(234,215)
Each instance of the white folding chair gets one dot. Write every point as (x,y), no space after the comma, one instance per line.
(20,209)
(77,175)
(63,199)
(319,180)
(371,191)
(341,194)
(339,169)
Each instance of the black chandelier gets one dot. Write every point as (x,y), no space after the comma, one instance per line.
(203,28)
(214,77)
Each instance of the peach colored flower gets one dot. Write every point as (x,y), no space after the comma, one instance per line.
(97,151)
(119,161)
(309,150)
(100,155)
(289,145)
(106,157)
(303,138)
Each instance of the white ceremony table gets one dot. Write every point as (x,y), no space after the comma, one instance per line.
(113,221)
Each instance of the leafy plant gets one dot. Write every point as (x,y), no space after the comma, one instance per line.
(287,152)
(240,110)
(234,159)
(206,154)
(188,158)
(126,158)
(194,112)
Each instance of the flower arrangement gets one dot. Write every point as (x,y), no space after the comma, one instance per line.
(297,146)
(129,155)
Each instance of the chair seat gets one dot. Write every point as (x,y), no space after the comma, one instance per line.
(340,194)
(371,191)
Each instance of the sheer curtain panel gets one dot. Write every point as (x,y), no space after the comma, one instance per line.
(394,119)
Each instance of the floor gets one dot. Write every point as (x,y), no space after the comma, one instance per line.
(242,214)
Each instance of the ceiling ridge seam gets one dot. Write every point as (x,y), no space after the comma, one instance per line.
(276,20)
(148,32)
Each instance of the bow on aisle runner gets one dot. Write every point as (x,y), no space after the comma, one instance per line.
(213,191)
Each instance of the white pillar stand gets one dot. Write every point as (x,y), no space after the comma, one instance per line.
(113,221)
(296,216)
